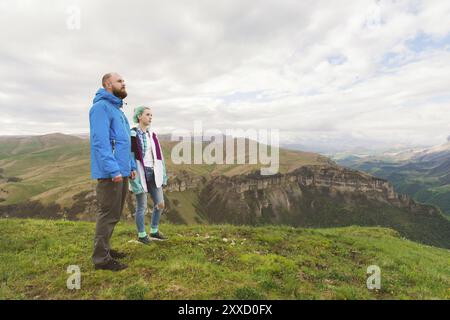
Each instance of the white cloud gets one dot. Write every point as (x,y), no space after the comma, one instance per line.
(318,71)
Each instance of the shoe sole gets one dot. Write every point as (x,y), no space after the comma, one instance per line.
(156,239)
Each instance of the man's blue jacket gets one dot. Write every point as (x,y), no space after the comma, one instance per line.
(110,138)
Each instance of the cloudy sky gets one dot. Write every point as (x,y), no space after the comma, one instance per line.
(360,72)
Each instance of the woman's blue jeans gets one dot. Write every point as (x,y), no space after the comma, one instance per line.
(141,203)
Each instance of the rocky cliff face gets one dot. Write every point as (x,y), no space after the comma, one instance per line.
(321,196)
(183,182)
(254,193)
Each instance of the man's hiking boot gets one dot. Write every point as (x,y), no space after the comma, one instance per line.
(116,254)
(111,265)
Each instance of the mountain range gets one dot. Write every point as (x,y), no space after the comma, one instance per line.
(423,174)
(48,177)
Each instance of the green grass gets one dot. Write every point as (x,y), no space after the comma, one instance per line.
(220,262)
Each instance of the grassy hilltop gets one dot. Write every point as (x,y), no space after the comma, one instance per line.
(220,262)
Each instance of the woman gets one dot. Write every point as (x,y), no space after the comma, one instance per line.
(151,174)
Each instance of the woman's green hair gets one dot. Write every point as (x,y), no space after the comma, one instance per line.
(137,112)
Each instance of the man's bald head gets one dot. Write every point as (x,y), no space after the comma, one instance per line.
(114,83)
(105,78)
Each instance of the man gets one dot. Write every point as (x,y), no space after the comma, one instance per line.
(111,165)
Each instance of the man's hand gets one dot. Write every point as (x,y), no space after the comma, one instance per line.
(117,179)
(133,175)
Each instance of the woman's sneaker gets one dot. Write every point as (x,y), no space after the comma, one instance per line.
(144,240)
(158,236)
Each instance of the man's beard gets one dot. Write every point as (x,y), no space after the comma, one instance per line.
(121,93)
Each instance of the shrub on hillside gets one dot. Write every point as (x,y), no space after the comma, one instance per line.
(31,209)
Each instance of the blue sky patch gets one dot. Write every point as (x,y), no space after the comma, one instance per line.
(423,42)
(337,59)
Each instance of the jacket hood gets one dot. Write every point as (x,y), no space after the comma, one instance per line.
(102,94)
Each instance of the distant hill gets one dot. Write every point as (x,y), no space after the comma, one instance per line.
(49,177)
(423,174)
(55,167)
(220,262)
(18,145)
(50,166)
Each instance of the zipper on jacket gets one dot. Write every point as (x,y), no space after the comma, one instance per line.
(113,145)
